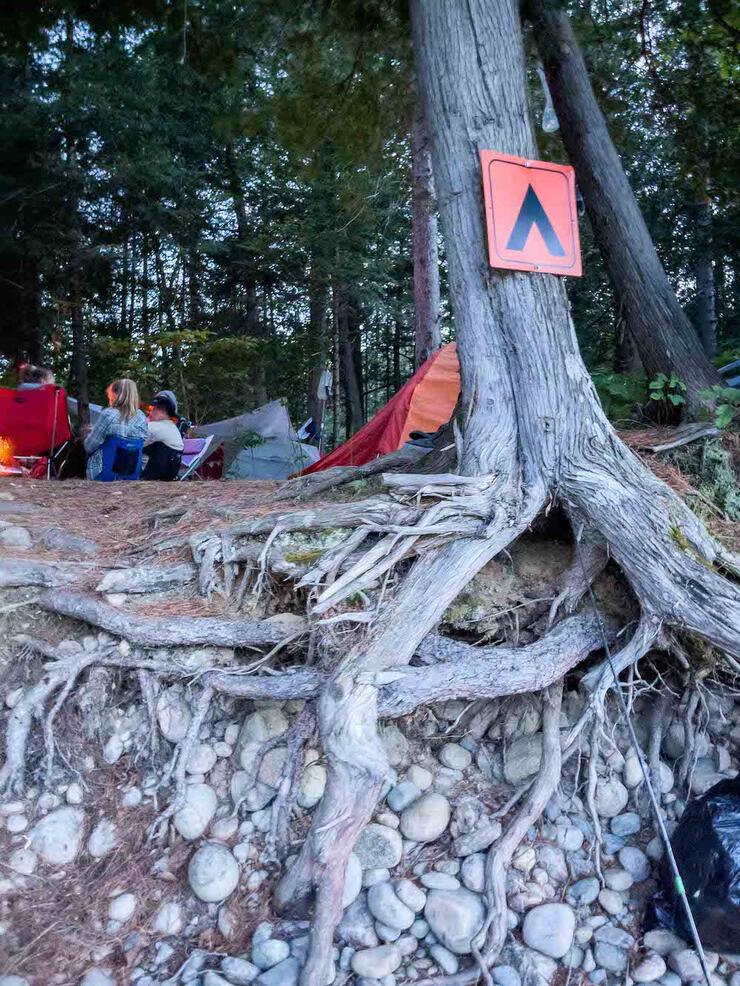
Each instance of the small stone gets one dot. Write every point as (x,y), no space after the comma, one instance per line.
(57,837)
(569,838)
(266,954)
(522,759)
(473,872)
(15,537)
(379,846)
(611,901)
(506,975)
(173,715)
(685,963)
(16,824)
(113,749)
(386,907)
(285,973)
(395,744)
(225,829)
(632,773)
(583,891)
(618,879)
(419,776)
(627,824)
(375,963)
(263,725)
(635,862)
(652,967)
(524,860)
(455,917)
(13,981)
(239,971)
(455,756)
(439,881)
(409,894)
(445,959)
(549,929)
(427,818)
(610,957)
(654,849)
(663,941)
(553,861)
(375,875)
(201,760)
(402,795)
(122,908)
(352,880)
(213,872)
(74,794)
(192,820)
(614,936)
(611,797)
(357,927)
(313,782)
(168,920)
(210,978)
(386,933)
(103,838)
(483,836)
(23,861)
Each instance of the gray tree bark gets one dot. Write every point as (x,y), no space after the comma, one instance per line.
(706,308)
(428,337)
(662,332)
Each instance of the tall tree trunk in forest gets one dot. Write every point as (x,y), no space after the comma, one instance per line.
(244,260)
(706,310)
(192,272)
(145,287)
(534,434)
(351,372)
(122,321)
(317,328)
(661,330)
(79,349)
(428,337)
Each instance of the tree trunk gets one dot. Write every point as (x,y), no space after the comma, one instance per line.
(428,336)
(145,287)
(79,353)
(244,258)
(706,311)
(534,431)
(317,329)
(660,328)
(351,373)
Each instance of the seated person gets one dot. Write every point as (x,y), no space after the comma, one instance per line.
(163,445)
(31,377)
(122,418)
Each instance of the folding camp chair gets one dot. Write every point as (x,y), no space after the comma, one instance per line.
(194,454)
(35,422)
(121,459)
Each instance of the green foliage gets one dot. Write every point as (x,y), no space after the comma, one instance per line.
(726,402)
(667,388)
(620,393)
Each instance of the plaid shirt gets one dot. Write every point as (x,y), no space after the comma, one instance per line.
(110,422)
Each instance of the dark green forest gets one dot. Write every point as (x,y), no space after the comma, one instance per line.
(216,196)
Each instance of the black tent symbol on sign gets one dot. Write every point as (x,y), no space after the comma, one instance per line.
(532,214)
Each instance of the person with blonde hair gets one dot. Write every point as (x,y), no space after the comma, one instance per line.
(119,430)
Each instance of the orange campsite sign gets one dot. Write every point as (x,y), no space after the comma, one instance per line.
(531,215)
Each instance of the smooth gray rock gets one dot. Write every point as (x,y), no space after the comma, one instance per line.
(583,891)
(635,862)
(439,881)
(455,918)
(552,860)
(483,836)
(611,797)
(473,872)
(411,895)
(357,927)
(103,838)
(426,819)
(663,941)
(352,880)
(285,973)
(376,962)
(268,952)
(173,715)
(549,929)
(455,756)
(506,975)
(627,824)
(386,907)
(58,836)
(213,872)
(192,820)
(444,958)
(652,967)
(614,936)
(98,977)
(379,846)
(522,758)
(610,957)
(402,795)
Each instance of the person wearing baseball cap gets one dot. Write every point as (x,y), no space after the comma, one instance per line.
(163,445)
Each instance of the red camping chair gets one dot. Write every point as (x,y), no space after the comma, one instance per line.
(35,422)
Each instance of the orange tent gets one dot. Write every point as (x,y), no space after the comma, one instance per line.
(424,403)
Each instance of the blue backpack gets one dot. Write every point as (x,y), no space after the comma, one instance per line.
(121,459)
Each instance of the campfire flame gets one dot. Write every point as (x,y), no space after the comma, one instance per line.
(6,452)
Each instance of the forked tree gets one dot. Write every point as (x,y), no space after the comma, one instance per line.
(530,435)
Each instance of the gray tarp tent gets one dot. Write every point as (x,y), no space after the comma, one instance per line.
(276,453)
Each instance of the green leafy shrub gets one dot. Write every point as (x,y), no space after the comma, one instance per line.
(619,393)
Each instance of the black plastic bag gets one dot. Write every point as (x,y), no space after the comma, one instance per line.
(706,844)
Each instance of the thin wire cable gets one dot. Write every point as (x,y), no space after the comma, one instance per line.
(677,881)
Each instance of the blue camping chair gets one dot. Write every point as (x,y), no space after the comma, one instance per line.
(121,459)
